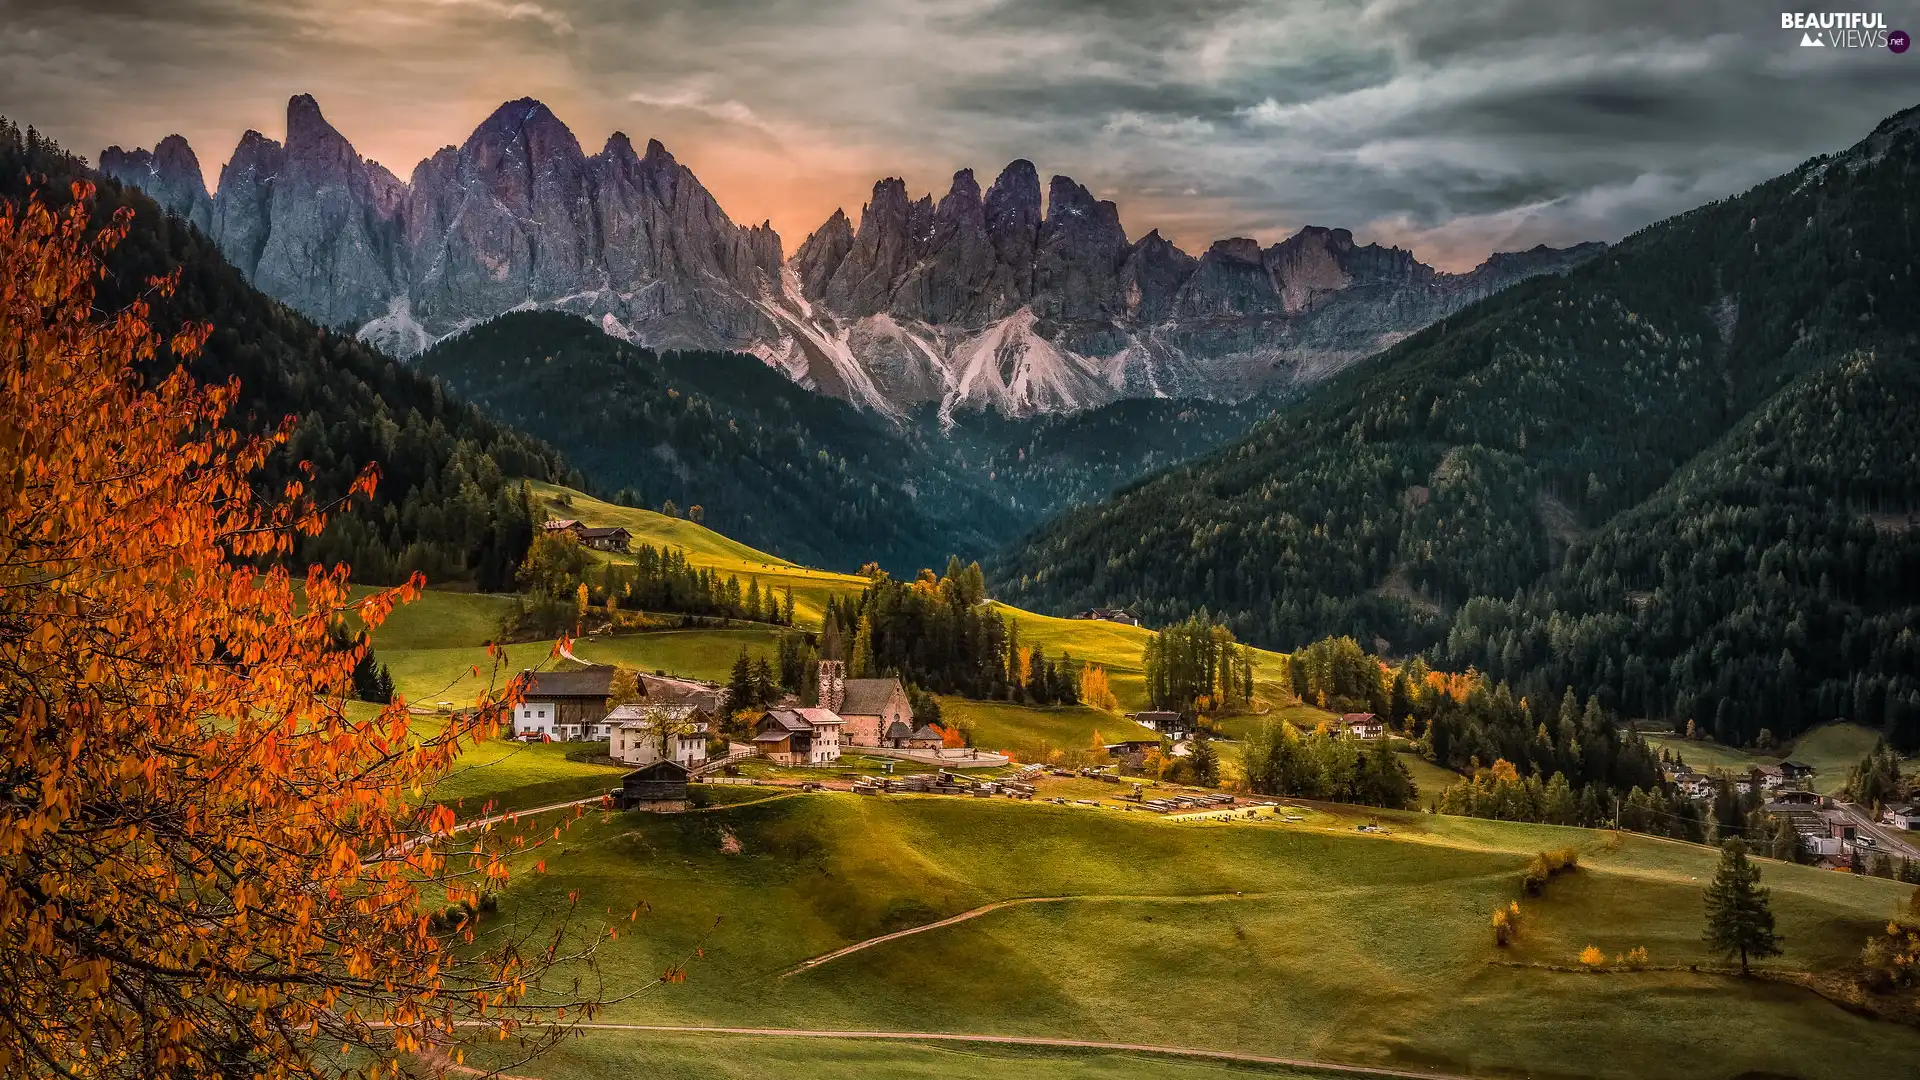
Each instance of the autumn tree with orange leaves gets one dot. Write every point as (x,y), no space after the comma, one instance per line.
(207,866)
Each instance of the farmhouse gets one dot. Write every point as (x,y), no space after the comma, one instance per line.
(659,786)
(646,733)
(565,704)
(1363,725)
(613,539)
(1795,772)
(1112,615)
(799,736)
(870,707)
(1163,721)
(1694,785)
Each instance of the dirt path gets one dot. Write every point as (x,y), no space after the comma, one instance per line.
(1034,1040)
(985,909)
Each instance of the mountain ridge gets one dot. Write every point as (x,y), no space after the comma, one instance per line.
(1008,300)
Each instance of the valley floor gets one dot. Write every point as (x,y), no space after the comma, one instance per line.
(1303,939)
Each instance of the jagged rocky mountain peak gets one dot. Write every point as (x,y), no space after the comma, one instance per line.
(1019,298)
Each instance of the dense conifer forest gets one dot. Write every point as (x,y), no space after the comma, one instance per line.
(447,503)
(1682,477)
(797,473)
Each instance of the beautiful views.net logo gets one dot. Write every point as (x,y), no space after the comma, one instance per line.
(1844,30)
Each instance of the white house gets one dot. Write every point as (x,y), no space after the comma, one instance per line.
(564,705)
(1363,725)
(644,734)
(1902,817)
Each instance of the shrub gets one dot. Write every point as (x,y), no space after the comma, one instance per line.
(1502,928)
(1593,958)
(1636,957)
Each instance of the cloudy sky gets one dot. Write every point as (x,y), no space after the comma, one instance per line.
(1455,128)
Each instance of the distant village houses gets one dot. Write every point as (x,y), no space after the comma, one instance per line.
(1112,615)
(599,539)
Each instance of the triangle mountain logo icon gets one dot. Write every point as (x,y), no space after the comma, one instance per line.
(1808,41)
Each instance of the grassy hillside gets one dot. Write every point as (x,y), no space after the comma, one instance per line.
(1832,750)
(705,548)
(1307,940)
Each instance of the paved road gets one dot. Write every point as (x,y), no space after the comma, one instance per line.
(1023,1040)
(1889,840)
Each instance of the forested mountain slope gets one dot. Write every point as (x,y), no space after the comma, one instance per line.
(769,462)
(1413,498)
(809,477)
(445,504)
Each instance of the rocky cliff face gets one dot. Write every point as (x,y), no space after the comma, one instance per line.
(170,174)
(1003,299)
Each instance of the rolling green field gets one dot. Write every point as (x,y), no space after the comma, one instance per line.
(1832,749)
(1307,940)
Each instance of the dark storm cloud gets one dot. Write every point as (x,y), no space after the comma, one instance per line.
(1455,128)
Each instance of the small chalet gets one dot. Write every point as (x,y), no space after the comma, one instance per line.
(901,735)
(1163,721)
(565,705)
(613,539)
(610,539)
(1363,725)
(659,786)
(870,707)
(1771,777)
(646,733)
(1112,615)
(1795,772)
(799,736)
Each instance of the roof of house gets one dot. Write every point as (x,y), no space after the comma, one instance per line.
(1133,744)
(557,524)
(664,769)
(788,720)
(928,731)
(665,689)
(866,697)
(1156,716)
(1797,766)
(599,533)
(1767,770)
(1359,718)
(820,717)
(899,729)
(587,683)
(653,717)
(773,735)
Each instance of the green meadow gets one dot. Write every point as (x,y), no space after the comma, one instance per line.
(1307,940)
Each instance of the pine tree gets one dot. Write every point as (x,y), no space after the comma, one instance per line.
(860,664)
(1205,761)
(1739,918)
(740,689)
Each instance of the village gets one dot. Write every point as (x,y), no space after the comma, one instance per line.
(672,737)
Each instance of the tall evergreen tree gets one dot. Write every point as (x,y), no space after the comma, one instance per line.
(1739,913)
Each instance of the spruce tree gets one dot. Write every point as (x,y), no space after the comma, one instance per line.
(1739,918)
(1205,761)
(740,689)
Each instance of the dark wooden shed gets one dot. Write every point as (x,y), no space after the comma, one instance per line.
(659,786)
